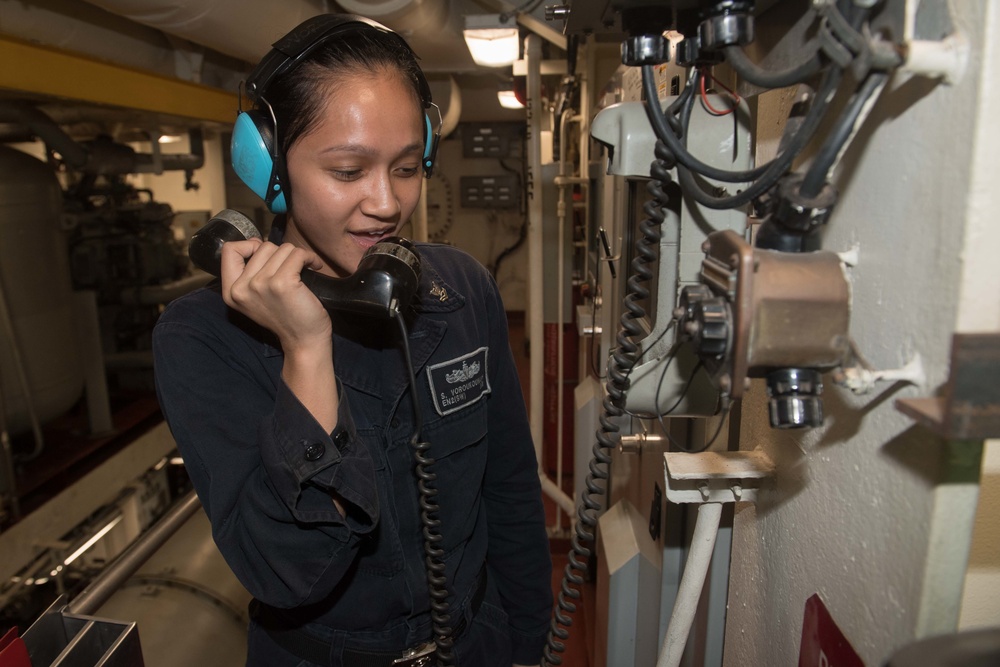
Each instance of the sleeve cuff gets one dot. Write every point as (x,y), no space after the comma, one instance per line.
(306,465)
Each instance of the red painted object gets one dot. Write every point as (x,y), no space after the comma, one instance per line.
(823,643)
(13,652)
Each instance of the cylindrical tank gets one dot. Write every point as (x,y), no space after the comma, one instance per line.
(188,605)
(35,281)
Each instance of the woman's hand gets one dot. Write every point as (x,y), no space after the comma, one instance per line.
(264,282)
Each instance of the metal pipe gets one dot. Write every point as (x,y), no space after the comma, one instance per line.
(706,529)
(112,578)
(536,278)
(564,120)
(45,129)
(535,311)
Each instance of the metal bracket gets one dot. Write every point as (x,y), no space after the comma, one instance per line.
(715,477)
(969,407)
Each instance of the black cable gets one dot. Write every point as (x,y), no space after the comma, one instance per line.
(777,167)
(768,173)
(656,401)
(429,509)
(522,231)
(750,72)
(620,364)
(662,127)
(687,385)
(522,235)
(815,178)
(653,342)
(723,413)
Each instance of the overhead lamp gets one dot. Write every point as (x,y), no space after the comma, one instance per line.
(492,39)
(508,96)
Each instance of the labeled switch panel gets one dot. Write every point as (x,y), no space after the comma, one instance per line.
(488,140)
(489,191)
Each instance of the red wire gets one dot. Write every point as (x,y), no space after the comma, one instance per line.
(704,96)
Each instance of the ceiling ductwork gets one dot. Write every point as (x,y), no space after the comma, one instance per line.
(417,17)
(244,29)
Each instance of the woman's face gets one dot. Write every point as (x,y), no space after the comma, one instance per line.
(356,173)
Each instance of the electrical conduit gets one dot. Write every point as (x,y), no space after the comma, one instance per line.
(706,529)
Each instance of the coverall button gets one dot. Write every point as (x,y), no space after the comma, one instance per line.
(315,451)
(341,439)
(394,423)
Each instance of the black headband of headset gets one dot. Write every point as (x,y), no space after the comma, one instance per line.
(288,51)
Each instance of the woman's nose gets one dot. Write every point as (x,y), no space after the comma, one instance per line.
(381,201)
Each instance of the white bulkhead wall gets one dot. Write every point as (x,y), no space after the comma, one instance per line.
(860,513)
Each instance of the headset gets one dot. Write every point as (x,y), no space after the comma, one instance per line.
(255,149)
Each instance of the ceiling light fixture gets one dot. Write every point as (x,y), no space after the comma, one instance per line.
(508,100)
(492,39)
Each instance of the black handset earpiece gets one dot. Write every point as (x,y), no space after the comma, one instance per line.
(385,282)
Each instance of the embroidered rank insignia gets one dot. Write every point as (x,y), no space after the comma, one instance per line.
(459,382)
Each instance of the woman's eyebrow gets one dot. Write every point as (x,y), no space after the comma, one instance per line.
(361,149)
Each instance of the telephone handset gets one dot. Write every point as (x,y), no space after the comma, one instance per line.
(386,279)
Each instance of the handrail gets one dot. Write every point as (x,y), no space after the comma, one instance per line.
(123,567)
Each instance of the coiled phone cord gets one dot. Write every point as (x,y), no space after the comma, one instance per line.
(429,509)
(619,367)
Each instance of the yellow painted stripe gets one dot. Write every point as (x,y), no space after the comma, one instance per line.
(40,69)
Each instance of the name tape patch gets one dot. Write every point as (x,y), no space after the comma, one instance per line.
(459,382)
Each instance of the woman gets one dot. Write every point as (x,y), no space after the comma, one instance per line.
(295,422)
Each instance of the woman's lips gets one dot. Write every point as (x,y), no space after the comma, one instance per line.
(368,239)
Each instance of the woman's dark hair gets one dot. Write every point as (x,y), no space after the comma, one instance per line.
(295,96)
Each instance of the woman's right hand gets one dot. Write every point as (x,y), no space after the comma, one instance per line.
(263,281)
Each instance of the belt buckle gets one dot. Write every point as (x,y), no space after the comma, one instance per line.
(421,656)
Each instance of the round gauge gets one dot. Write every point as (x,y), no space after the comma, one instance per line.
(439,207)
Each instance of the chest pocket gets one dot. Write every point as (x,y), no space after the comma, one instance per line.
(458,445)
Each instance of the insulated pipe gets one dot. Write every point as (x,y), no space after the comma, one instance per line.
(706,529)
(45,129)
(243,29)
(401,15)
(562,182)
(535,313)
(536,278)
(100,158)
(123,567)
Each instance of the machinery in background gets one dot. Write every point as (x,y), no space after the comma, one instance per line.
(86,263)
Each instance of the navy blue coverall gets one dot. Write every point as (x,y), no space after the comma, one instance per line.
(264,469)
